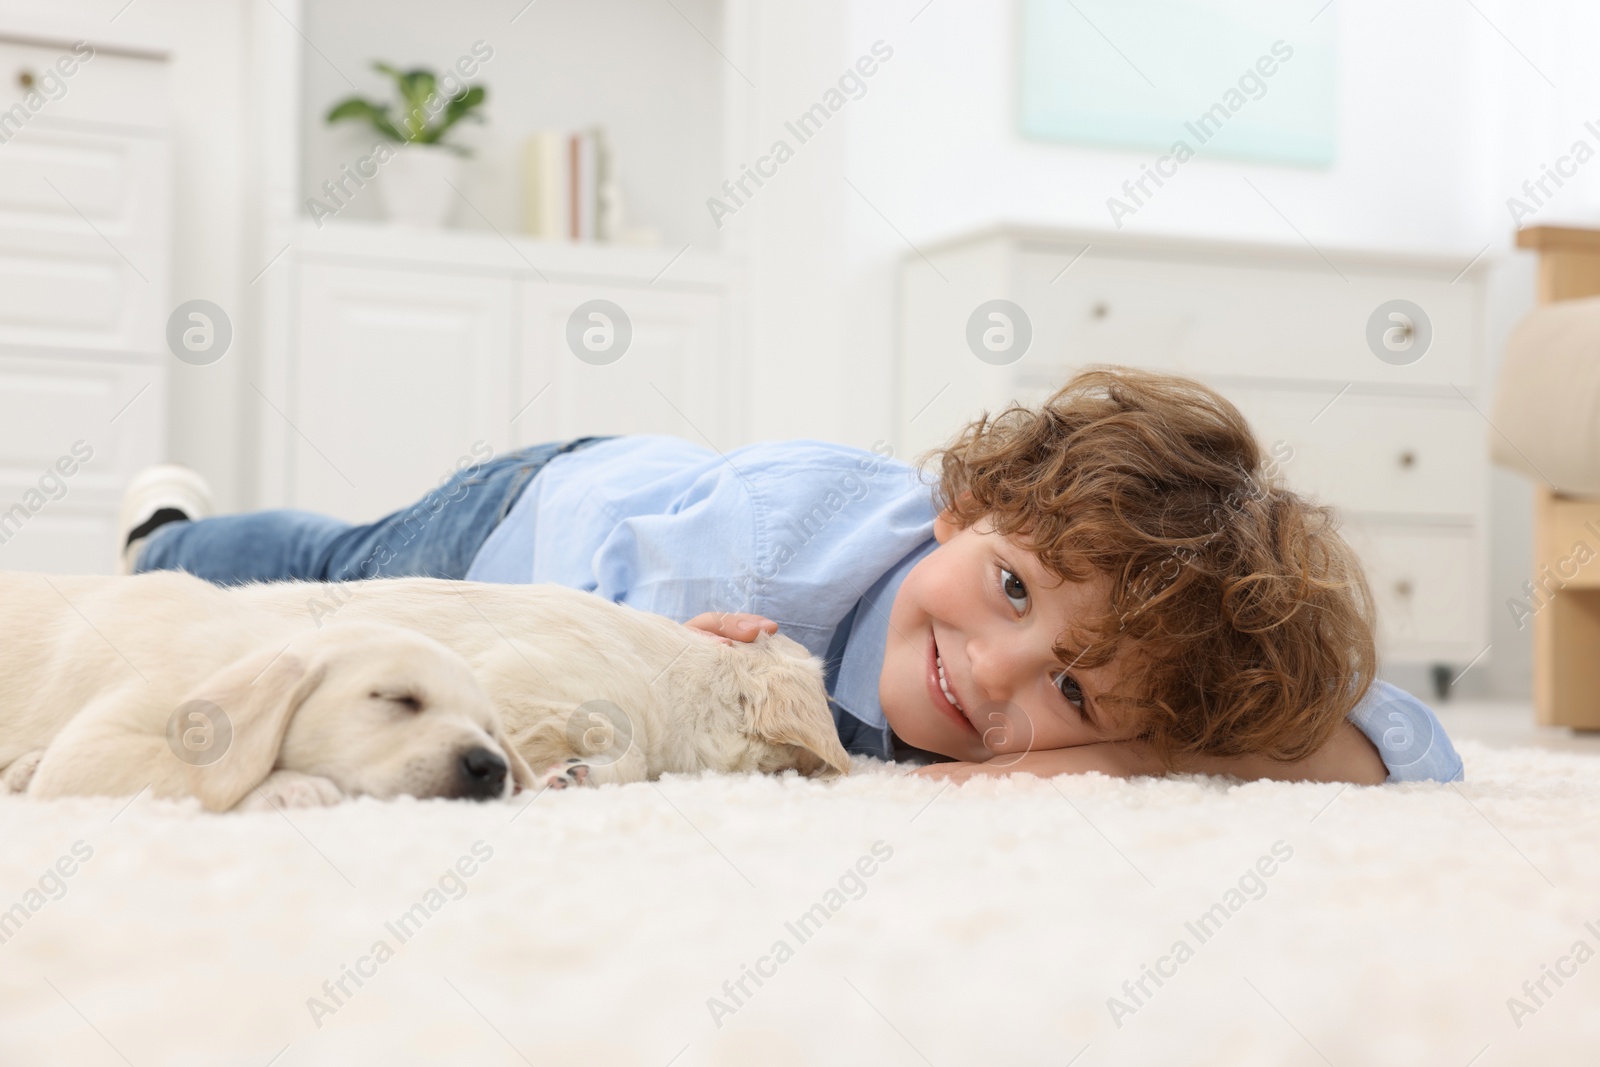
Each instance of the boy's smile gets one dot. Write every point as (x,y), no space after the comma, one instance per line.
(985,611)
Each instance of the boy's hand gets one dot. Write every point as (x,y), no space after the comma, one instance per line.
(1119,759)
(731,626)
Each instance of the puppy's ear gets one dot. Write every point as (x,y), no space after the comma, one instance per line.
(804,722)
(259,694)
(779,684)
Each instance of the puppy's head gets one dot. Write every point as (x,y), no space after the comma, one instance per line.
(773,692)
(377,709)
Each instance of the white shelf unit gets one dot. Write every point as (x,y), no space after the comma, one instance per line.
(85,191)
(383,353)
(1399,451)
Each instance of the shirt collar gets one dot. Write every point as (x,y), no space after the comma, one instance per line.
(855,690)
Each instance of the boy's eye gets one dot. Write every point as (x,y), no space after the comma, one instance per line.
(1012,586)
(1069,688)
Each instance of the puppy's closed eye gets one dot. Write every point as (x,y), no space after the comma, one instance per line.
(406,700)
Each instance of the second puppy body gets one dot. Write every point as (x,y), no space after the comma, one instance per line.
(594,692)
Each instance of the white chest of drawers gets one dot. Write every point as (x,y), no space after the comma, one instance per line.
(1398,450)
(84,235)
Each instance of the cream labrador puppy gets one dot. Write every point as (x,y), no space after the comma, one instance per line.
(593,692)
(587,691)
(165,681)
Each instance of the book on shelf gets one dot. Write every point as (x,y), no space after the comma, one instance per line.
(570,189)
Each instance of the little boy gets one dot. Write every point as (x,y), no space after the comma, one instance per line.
(1112,581)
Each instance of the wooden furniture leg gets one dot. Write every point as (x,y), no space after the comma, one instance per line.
(1565,595)
(1566,611)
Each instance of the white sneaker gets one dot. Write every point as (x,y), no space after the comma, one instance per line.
(151,490)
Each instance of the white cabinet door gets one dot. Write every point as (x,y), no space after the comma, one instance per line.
(670,379)
(83,240)
(393,375)
(72,432)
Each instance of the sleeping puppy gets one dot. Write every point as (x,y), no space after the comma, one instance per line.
(115,685)
(593,692)
(587,691)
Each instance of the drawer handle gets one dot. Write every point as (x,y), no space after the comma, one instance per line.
(1404,587)
(1100,310)
(25,78)
(1408,459)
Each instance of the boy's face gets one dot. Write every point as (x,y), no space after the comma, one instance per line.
(991,611)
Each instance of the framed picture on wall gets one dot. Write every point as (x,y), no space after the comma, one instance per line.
(1242,79)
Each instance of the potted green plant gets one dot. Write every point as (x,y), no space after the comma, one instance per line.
(420,171)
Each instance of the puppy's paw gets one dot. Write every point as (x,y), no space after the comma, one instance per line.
(20,773)
(570,773)
(291,789)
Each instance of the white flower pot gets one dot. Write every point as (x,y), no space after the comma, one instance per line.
(415,186)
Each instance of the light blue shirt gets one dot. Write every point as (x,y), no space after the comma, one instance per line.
(1408,736)
(813,535)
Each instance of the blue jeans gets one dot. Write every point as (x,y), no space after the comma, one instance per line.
(436,537)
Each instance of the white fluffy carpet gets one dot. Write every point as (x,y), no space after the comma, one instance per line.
(1004,918)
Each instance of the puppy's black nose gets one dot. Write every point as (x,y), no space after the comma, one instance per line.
(482,773)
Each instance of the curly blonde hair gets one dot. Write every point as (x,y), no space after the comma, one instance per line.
(1249,615)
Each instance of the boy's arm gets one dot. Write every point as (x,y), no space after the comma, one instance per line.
(1347,757)
(1119,759)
